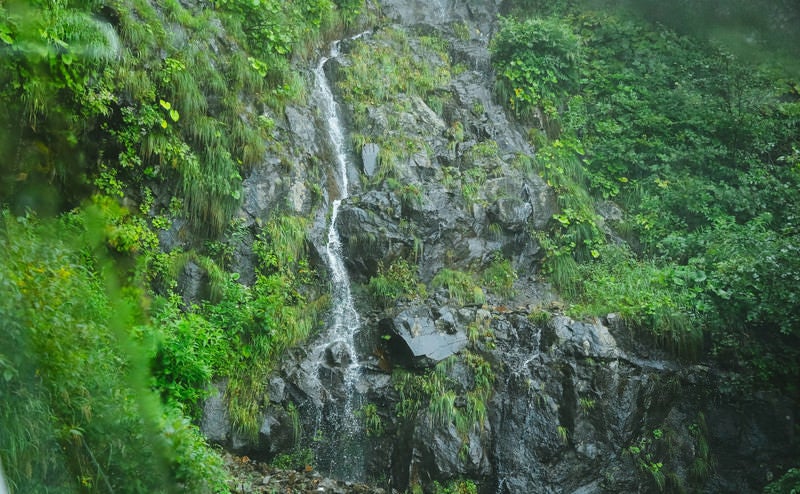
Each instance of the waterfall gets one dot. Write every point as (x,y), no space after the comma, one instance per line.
(3,487)
(345,321)
(339,432)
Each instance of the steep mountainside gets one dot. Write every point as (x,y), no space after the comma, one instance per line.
(443,246)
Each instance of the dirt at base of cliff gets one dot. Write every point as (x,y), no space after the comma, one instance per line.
(251,476)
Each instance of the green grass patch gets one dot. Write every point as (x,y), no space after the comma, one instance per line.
(460,286)
(661,302)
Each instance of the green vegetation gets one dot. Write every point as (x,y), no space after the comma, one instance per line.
(60,316)
(128,94)
(75,372)
(466,288)
(480,329)
(460,286)
(563,434)
(264,320)
(127,118)
(400,69)
(537,58)
(398,281)
(703,465)
(391,69)
(499,276)
(372,421)
(651,297)
(789,483)
(587,404)
(445,401)
(748,28)
(298,459)
(456,487)
(440,393)
(699,149)
(643,454)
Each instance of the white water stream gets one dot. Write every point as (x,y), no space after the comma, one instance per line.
(339,430)
(345,321)
(3,488)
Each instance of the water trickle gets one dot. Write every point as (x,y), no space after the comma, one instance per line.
(521,395)
(339,432)
(520,360)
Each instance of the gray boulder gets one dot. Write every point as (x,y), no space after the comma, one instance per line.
(415,339)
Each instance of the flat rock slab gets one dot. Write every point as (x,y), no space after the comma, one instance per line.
(416,339)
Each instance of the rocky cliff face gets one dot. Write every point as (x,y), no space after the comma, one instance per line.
(500,389)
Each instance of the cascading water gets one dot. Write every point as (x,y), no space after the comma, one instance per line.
(345,321)
(3,488)
(339,432)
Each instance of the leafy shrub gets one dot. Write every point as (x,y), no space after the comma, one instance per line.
(297,459)
(663,303)
(398,281)
(75,360)
(456,487)
(789,483)
(263,321)
(700,151)
(191,351)
(537,64)
(55,86)
(198,468)
(372,422)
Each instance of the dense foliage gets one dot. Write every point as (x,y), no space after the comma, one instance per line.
(701,152)
(120,119)
(691,154)
(77,413)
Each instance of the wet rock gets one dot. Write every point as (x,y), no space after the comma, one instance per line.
(369,228)
(277,389)
(511,213)
(583,339)
(176,236)
(417,341)
(609,211)
(193,283)
(216,424)
(251,476)
(445,320)
(337,354)
(443,452)
(276,433)
(369,158)
(302,125)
